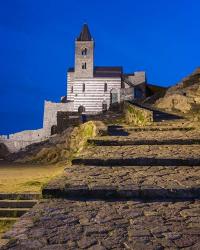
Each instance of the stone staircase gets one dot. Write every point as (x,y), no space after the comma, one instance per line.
(136,188)
(12,207)
(161,161)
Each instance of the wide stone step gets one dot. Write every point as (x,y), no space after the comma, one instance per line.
(17,203)
(140,161)
(91,182)
(99,142)
(20,196)
(12,212)
(125,192)
(159,129)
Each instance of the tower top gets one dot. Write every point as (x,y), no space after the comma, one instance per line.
(85,34)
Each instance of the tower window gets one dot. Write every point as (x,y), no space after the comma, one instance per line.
(83,87)
(84,52)
(72,89)
(84,66)
(105,87)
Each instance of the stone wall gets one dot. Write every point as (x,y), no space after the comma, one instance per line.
(18,141)
(137,116)
(66,120)
(50,114)
(137,78)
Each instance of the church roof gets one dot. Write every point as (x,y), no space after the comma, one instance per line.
(105,71)
(85,34)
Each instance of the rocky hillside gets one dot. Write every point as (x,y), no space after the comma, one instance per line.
(59,148)
(183,97)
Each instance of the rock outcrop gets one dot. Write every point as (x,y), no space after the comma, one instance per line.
(183,97)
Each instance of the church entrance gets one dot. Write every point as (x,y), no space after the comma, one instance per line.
(81,109)
(114,96)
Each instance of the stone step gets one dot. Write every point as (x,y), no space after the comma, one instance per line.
(20,196)
(158,129)
(17,203)
(12,212)
(91,182)
(8,219)
(140,161)
(125,192)
(99,142)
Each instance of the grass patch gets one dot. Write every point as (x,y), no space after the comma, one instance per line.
(26,178)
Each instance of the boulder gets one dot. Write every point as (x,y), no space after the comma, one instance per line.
(174,102)
(184,96)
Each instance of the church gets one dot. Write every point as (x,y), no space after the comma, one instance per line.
(92,89)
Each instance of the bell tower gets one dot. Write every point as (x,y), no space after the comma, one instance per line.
(84,54)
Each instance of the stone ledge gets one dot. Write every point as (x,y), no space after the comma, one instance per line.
(84,192)
(140,161)
(99,142)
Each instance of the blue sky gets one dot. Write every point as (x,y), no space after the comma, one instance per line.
(37,46)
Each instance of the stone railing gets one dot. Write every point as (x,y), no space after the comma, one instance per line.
(138,116)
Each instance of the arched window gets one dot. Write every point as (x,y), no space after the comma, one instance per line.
(81,109)
(84,66)
(84,52)
(105,87)
(83,87)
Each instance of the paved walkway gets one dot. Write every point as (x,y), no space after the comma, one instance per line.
(64,224)
(141,191)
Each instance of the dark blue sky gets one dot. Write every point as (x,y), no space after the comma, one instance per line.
(37,46)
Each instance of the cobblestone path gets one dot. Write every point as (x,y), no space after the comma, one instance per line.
(145,195)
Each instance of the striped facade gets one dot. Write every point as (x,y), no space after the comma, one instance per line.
(90,92)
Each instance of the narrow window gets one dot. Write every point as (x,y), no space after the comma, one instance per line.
(105,87)
(84,51)
(84,66)
(104,106)
(83,87)
(72,89)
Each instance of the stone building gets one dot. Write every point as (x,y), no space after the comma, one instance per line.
(93,89)
(90,89)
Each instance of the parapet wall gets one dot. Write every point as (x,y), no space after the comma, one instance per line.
(18,141)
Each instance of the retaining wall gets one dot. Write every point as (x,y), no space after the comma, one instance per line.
(137,116)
